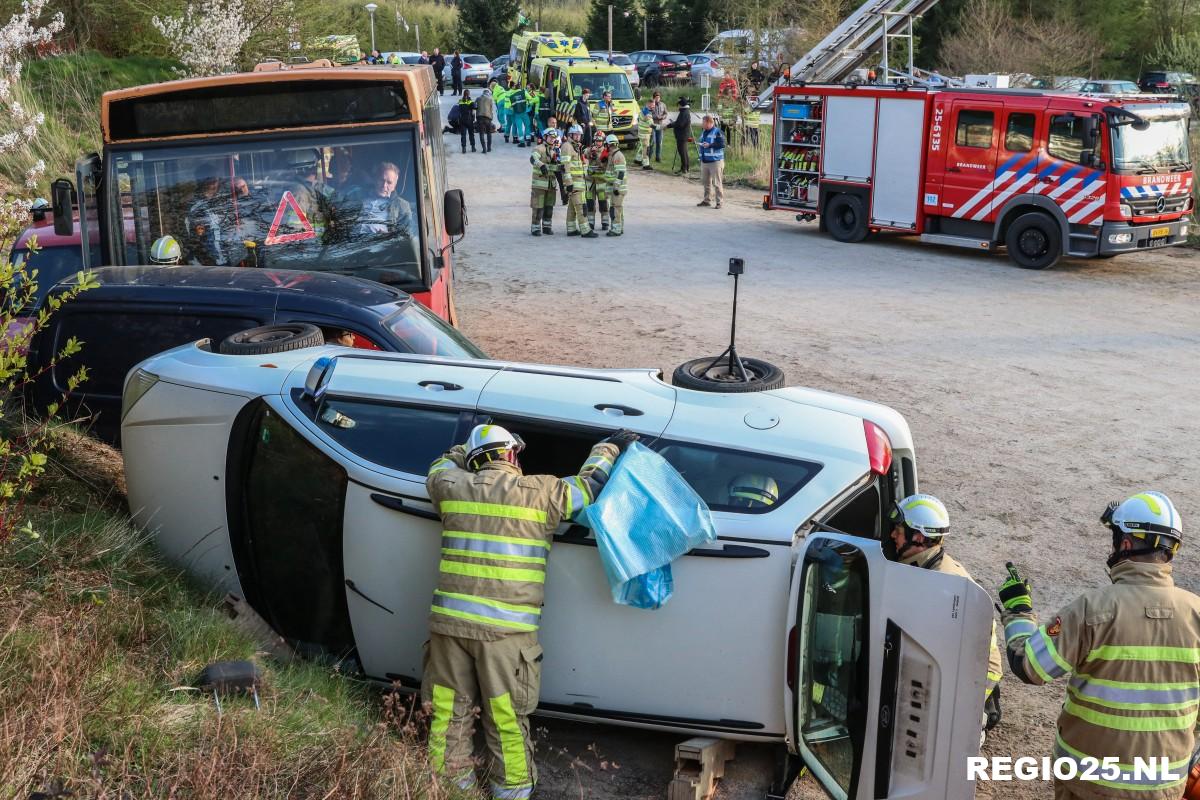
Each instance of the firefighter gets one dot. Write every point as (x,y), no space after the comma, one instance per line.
(602,116)
(645,131)
(920,522)
(483,649)
(576,181)
(597,183)
(615,174)
(753,491)
(1132,650)
(166,251)
(547,160)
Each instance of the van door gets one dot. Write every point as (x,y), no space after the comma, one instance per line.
(886,671)
(971,176)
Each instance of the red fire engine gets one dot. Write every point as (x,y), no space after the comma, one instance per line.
(1042,174)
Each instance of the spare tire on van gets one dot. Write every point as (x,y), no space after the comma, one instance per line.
(711,374)
(269,339)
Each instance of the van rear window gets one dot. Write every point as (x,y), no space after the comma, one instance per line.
(730,480)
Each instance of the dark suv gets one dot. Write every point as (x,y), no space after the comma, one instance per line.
(1165,82)
(656,67)
(137,312)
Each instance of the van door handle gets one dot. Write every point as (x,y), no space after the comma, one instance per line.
(438,386)
(953,169)
(616,410)
(396,504)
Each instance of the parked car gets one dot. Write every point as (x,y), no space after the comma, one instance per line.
(706,64)
(405,58)
(306,485)
(500,70)
(136,312)
(1110,87)
(1166,82)
(476,69)
(55,257)
(620,60)
(656,67)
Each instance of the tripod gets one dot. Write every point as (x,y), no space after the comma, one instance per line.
(735,366)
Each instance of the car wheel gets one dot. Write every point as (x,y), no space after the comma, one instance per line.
(1034,241)
(846,218)
(704,375)
(272,339)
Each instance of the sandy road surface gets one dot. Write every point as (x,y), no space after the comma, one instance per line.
(1034,397)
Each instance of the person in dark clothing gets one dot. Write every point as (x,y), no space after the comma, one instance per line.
(485,112)
(682,127)
(466,119)
(438,62)
(456,66)
(756,77)
(582,113)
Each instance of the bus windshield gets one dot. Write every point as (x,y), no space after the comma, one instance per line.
(337,203)
(1162,146)
(600,82)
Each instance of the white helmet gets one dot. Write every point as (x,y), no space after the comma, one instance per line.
(1149,517)
(750,490)
(490,442)
(575,130)
(550,133)
(923,514)
(611,139)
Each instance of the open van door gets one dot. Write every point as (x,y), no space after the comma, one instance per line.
(888,670)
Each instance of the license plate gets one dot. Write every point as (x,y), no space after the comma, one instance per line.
(1156,242)
(1156,233)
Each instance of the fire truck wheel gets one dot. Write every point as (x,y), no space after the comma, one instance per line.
(707,375)
(272,339)
(1034,241)
(846,218)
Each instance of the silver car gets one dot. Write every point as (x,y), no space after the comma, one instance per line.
(620,60)
(706,64)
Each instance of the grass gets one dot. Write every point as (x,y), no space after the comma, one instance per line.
(97,635)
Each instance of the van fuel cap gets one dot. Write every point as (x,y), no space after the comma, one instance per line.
(762,420)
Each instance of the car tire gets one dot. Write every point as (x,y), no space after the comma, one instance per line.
(272,339)
(846,218)
(1034,241)
(701,374)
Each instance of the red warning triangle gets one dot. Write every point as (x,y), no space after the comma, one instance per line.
(291,217)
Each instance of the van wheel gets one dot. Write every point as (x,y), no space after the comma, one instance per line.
(272,339)
(701,374)
(1034,241)
(846,218)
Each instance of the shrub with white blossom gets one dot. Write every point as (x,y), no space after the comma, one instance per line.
(208,39)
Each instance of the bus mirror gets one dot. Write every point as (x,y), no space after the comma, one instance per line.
(455,212)
(62,196)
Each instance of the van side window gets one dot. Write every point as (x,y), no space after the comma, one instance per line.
(740,482)
(1018,136)
(402,438)
(974,128)
(860,516)
(1066,138)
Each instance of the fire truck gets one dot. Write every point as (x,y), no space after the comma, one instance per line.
(1042,174)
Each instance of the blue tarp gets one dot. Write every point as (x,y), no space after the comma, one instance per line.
(646,517)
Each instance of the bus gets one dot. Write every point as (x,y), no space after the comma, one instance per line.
(310,167)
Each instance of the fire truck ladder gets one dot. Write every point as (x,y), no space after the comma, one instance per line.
(860,37)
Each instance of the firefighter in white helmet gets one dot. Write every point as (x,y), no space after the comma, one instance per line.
(1132,650)
(483,646)
(920,523)
(165,251)
(749,490)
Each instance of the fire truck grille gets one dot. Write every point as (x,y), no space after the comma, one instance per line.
(1148,206)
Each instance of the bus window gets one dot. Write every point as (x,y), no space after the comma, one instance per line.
(341,203)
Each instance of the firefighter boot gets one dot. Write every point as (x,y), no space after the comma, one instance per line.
(547,215)
(590,207)
(603,215)
(536,227)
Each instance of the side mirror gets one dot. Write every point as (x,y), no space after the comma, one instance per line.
(62,197)
(454,210)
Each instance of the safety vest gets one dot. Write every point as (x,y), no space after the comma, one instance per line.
(497,528)
(539,158)
(501,97)
(1132,651)
(602,116)
(519,100)
(645,125)
(614,174)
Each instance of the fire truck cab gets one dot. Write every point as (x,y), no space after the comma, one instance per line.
(1041,174)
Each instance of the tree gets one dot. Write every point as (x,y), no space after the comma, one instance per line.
(990,39)
(692,24)
(626,21)
(1178,52)
(209,37)
(487,26)
(658,24)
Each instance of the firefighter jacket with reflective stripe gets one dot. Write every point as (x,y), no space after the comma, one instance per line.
(550,159)
(572,166)
(936,558)
(602,116)
(1132,651)
(497,528)
(614,172)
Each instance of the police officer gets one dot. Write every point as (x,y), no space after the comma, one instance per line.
(614,175)
(483,648)
(1132,650)
(919,524)
(576,182)
(546,160)
(645,132)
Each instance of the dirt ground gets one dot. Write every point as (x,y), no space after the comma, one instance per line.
(1034,397)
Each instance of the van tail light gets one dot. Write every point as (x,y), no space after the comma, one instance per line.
(791,659)
(879,448)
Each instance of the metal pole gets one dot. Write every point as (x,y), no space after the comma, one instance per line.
(884,77)
(418,29)
(372,31)
(610,29)
(645,25)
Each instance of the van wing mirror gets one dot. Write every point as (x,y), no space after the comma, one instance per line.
(454,210)
(62,200)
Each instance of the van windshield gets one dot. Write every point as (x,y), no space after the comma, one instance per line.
(600,82)
(1162,146)
(343,204)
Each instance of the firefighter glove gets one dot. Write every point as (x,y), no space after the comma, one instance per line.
(622,439)
(1015,593)
(544,170)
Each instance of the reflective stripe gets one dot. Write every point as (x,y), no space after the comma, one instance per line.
(1044,647)
(1127,779)
(450,551)
(443,709)
(1117,652)
(512,745)
(1019,627)
(577,495)
(1122,723)
(513,793)
(492,510)
(486,610)
(600,462)
(535,551)
(441,464)
(1039,657)
(495,537)
(1135,695)
(492,573)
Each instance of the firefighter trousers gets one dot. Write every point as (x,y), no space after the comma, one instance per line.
(577,221)
(643,152)
(617,203)
(500,680)
(542,203)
